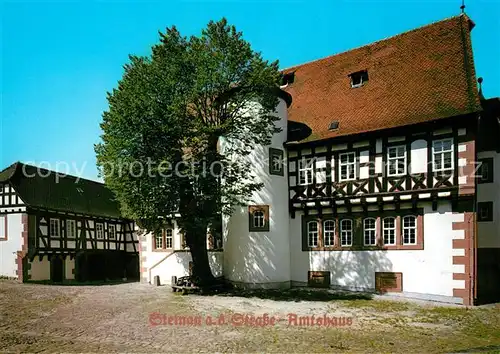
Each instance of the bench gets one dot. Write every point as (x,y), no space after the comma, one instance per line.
(186,285)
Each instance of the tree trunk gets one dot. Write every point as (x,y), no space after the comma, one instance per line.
(196,214)
(197,242)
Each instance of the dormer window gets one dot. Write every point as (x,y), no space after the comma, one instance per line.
(333,125)
(288,78)
(359,78)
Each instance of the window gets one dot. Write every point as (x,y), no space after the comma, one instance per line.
(346,232)
(169,238)
(370,231)
(442,155)
(305,171)
(287,78)
(485,211)
(112,232)
(258,218)
(389,227)
(99,231)
(158,240)
(3,226)
(486,171)
(71,228)
(409,230)
(347,166)
(329,232)
(333,125)
(359,78)
(312,233)
(276,162)
(55,228)
(396,160)
(388,230)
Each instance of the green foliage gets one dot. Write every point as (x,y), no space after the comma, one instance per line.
(166,116)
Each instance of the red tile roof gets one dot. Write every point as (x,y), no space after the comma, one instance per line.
(417,76)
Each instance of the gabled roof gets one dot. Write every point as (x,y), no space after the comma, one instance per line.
(42,188)
(414,77)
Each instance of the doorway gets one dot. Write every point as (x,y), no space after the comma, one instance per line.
(56,269)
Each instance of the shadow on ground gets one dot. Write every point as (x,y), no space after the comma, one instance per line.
(77,283)
(487,349)
(297,295)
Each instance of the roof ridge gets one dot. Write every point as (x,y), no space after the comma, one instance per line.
(19,163)
(378,41)
(13,167)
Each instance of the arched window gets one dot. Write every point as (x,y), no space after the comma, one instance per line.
(370,231)
(258,219)
(312,233)
(169,238)
(329,232)
(409,230)
(389,230)
(346,232)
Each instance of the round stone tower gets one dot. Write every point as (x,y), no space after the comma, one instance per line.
(256,237)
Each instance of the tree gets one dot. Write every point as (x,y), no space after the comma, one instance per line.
(159,151)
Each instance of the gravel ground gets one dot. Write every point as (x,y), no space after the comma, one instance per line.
(134,317)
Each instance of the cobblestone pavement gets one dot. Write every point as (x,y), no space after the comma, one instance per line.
(117,318)
(106,318)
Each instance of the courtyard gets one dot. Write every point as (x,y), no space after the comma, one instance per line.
(135,317)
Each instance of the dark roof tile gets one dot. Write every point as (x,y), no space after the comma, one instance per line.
(414,77)
(42,188)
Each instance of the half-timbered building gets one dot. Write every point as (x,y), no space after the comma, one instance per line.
(373,182)
(56,227)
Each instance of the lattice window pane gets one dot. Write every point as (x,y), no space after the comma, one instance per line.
(389,227)
(410,230)
(346,232)
(329,232)
(159,240)
(370,231)
(169,238)
(312,233)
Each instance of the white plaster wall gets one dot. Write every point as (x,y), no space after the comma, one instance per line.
(261,257)
(489,231)
(427,271)
(177,264)
(9,248)
(40,270)
(168,263)
(150,257)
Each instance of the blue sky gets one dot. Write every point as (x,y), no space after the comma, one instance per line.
(59,58)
